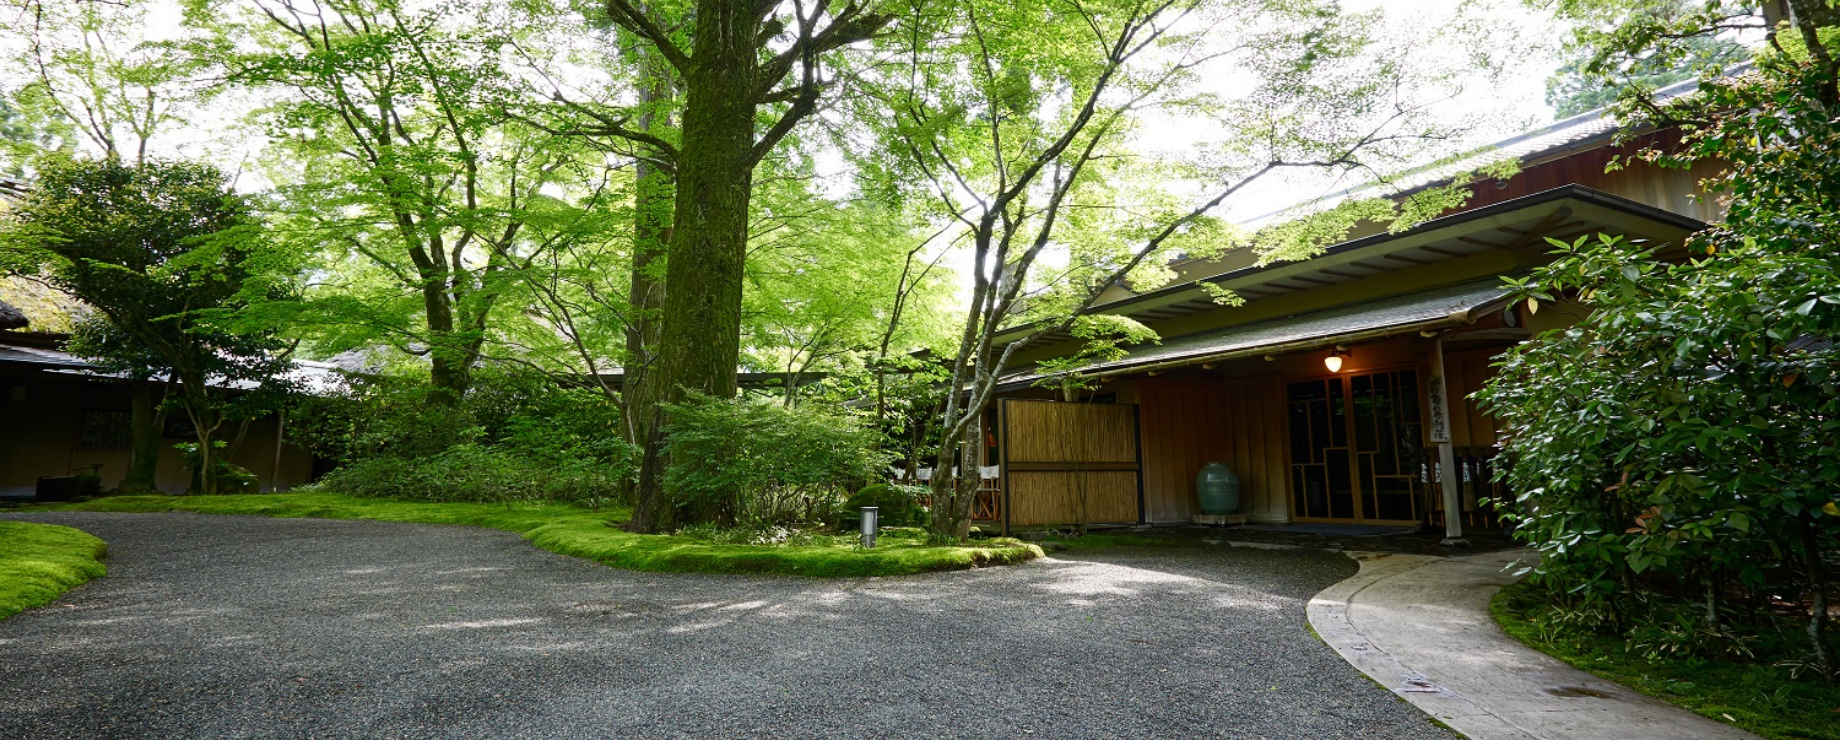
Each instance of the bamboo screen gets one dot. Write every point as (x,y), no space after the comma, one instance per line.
(1068,463)
(1053,432)
(1038,498)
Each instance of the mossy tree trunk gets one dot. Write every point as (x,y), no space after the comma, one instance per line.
(145,431)
(654,193)
(730,73)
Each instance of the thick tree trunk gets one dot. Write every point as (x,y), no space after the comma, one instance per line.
(144,448)
(653,193)
(449,374)
(699,346)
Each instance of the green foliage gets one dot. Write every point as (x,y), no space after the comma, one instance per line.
(1683,440)
(231,478)
(170,259)
(896,505)
(471,472)
(514,436)
(831,287)
(1586,83)
(24,137)
(106,78)
(40,561)
(762,464)
(1103,337)
(400,171)
(579,532)
(1773,701)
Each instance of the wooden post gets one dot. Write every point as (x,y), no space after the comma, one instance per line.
(1447,456)
(274,474)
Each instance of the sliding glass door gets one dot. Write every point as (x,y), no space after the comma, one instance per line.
(1356,450)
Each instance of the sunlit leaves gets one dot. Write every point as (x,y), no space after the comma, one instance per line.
(1692,416)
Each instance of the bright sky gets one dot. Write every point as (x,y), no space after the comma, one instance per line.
(1498,108)
(1507,106)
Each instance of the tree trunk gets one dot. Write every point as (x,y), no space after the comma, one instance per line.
(653,513)
(144,449)
(699,346)
(955,494)
(653,191)
(449,374)
(204,476)
(1817,597)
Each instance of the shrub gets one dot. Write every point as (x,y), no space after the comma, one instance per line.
(515,436)
(897,506)
(756,465)
(1679,444)
(476,473)
(231,478)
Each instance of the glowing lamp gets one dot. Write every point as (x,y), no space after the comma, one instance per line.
(1334,360)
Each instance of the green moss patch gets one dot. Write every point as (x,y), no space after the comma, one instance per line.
(579,532)
(1759,697)
(40,561)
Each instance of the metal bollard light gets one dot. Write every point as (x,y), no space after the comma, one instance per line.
(870,518)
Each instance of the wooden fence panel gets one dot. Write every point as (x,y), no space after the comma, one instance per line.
(1067,463)
(1043,498)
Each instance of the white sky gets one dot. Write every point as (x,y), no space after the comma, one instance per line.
(1500,108)
(1509,106)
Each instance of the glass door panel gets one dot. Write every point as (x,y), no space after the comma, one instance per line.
(1320,480)
(1355,447)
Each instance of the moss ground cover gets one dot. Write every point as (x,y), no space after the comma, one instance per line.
(40,561)
(580,532)
(1761,698)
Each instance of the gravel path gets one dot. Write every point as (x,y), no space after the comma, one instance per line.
(251,627)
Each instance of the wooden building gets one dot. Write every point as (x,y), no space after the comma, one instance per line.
(60,415)
(1386,433)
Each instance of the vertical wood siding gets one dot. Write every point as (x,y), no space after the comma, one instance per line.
(1671,189)
(1187,424)
(1465,374)
(1053,432)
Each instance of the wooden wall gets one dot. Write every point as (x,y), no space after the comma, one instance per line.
(44,413)
(1188,423)
(1670,189)
(1465,372)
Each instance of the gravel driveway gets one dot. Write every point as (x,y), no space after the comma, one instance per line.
(251,627)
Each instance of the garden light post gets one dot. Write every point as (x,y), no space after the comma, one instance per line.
(869,516)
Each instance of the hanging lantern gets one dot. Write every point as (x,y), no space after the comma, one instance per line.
(1334,360)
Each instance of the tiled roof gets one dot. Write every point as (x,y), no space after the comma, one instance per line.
(316,378)
(1448,305)
(1559,137)
(15,354)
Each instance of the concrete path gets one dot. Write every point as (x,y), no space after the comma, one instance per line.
(1420,626)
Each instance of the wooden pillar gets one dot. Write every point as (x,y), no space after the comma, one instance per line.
(274,474)
(1447,456)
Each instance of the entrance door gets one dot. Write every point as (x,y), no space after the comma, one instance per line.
(1356,452)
